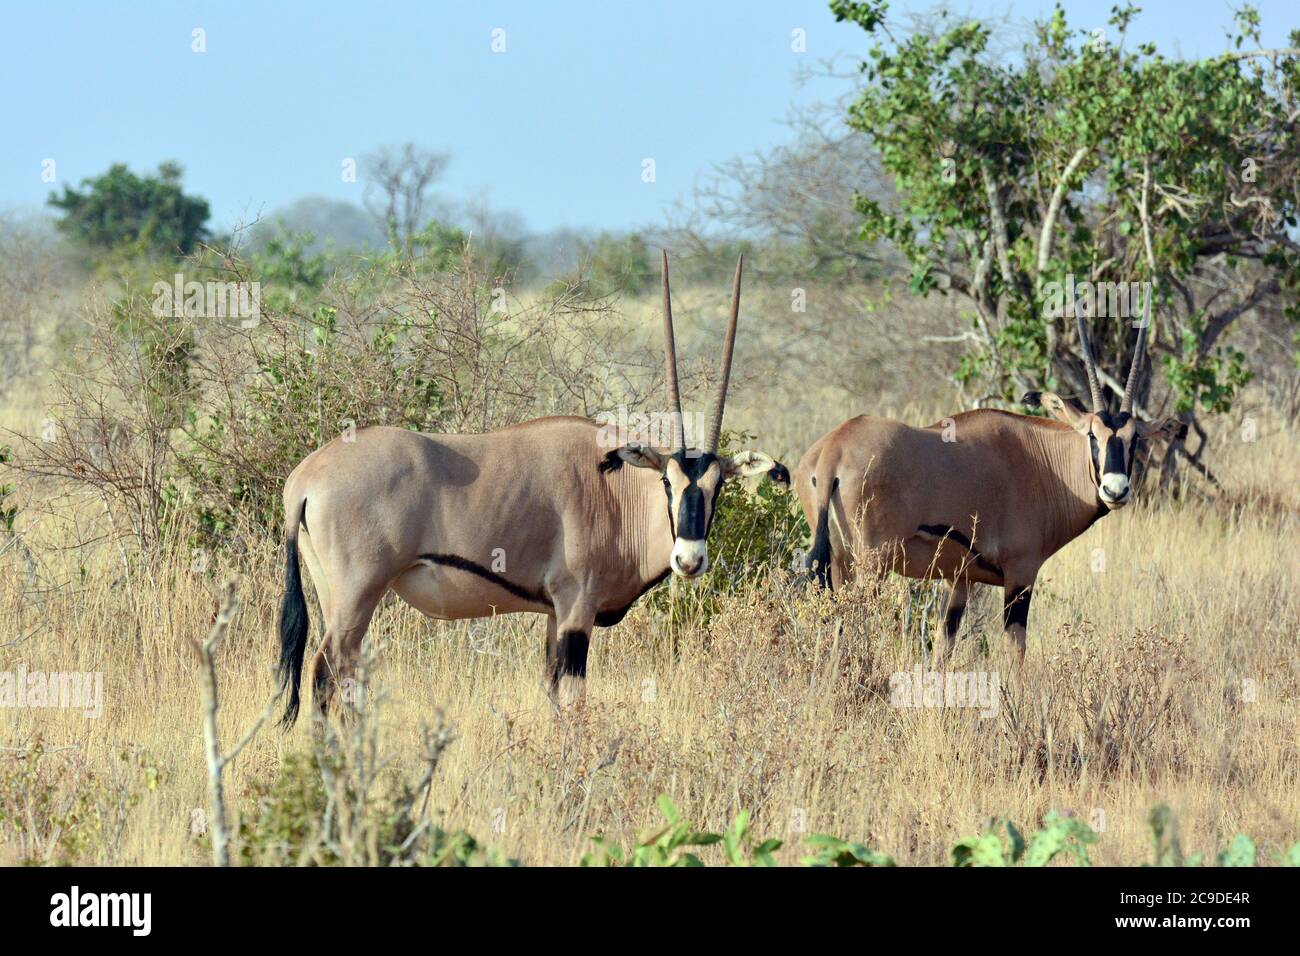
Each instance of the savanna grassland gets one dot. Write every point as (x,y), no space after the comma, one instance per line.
(1161,665)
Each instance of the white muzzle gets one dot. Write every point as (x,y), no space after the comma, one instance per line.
(1114,488)
(690,558)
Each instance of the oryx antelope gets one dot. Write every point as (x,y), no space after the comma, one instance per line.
(983,497)
(539,517)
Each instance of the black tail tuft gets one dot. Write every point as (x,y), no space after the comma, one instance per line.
(819,561)
(293,630)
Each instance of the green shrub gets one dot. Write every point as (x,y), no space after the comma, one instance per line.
(671,845)
(1001,844)
(1058,835)
(298,818)
(8,512)
(612,265)
(756,534)
(832,851)
(300,396)
(388,346)
(55,810)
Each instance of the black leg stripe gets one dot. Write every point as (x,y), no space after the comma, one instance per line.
(571,655)
(952,621)
(1015,606)
(465,564)
(943,531)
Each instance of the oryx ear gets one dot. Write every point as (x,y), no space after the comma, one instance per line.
(1164,429)
(748,463)
(1058,408)
(642,457)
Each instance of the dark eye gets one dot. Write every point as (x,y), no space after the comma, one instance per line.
(667,484)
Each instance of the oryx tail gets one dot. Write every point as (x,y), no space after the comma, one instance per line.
(293,619)
(819,560)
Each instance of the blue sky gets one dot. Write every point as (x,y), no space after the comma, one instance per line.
(555,128)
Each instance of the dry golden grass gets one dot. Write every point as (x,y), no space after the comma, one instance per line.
(1169,676)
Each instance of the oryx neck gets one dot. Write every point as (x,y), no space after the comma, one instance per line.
(644,530)
(1068,491)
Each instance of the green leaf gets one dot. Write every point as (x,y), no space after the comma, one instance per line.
(1017,842)
(1240,852)
(832,851)
(984,850)
(668,809)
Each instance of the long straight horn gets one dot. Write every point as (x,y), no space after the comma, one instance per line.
(670,361)
(1139,353)
(715,424)
(1089,363)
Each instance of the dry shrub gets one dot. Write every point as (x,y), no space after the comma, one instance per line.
(57,809)
(784,634)
(1102,708)
(117,400)
(158,416)
(34,277)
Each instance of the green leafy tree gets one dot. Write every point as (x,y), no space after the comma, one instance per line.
(1083,158)
(289,271)
(613,264)
(122,212)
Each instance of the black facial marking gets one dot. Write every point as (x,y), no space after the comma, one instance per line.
(692,520)
(1115,456)
(1114,420)
(1116,462)
(465,564)
(943,531)
(1015,606)
(1133,453)
(571,655)
(690,514)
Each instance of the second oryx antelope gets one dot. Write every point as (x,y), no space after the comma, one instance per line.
(539,517)
(983,497)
